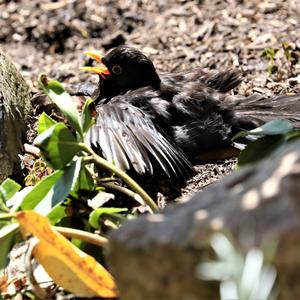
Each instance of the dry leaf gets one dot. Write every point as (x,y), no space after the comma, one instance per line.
(68,266)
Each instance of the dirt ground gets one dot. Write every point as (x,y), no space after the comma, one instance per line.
(50,37)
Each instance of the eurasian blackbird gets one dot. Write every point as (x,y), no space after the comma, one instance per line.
(148,120)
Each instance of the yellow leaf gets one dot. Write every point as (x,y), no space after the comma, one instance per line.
(68,266)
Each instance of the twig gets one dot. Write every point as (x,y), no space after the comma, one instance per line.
(88,237)
(127,179)
(121,189)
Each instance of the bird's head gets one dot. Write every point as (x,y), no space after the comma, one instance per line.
(124,68)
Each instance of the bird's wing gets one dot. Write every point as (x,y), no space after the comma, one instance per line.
(127,137)
(201,79)
(260,109)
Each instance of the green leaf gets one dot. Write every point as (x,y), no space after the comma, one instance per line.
(85,180)
(45,122)
(274,127)
(86,118)
(58,145)
(293,135)
(260,148)
(61,189)
(41,190)
(8,189)
(63,100)
(52,191)
(96,214)
(56,214)
(272,69)
(7,234)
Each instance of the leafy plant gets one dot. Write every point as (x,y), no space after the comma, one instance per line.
(242,276)
(268,138)
(279,58)
(55,195)
(270,54)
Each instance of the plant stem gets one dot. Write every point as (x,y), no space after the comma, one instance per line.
(121,174)
(128,192)
(89,237)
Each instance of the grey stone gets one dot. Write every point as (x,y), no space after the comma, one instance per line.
(155,256)
(14,109)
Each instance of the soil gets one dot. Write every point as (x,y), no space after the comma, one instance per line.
(50,37)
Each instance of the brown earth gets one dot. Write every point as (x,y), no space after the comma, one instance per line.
(50,37)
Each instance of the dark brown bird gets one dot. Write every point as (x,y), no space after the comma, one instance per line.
(148,120)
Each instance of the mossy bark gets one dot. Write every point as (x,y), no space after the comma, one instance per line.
(14,110)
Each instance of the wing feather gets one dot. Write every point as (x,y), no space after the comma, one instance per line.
(126,136)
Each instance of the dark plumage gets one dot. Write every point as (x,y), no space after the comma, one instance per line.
(146,120)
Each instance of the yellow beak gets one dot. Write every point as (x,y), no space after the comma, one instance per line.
(94,55)
(100,70)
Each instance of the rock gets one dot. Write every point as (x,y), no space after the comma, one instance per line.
(14,109)
(155,256)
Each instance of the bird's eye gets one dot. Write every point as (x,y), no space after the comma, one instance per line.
(116,69)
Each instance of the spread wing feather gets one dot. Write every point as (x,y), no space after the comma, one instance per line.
(126,136)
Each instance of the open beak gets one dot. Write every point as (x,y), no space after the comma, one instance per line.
(100,70)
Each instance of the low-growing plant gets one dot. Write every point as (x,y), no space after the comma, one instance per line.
(243,276)
(70,190)
(267,138)
(284,57)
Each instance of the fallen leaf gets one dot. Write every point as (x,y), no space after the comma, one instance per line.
(68,266)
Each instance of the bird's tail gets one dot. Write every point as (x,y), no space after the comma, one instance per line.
(258,109)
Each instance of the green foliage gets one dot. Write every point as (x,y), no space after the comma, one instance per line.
(58,145)
(7,236)
(97,213)
(64,150)
(64,101)
(271,136)
(281,58)
(45,122)
(270,54)
(242,276)
(8,189)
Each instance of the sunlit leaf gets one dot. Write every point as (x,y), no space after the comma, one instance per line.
(58,145)
(100,199)
(68,266)
(44,189)
(45,122)
(60,190)
(85,180)
(7,234)
(251,271)
(8,189)
(88,111)
(96,214)
(52,191)
(63,100)
(260,148)
(274,127)
(15,202)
